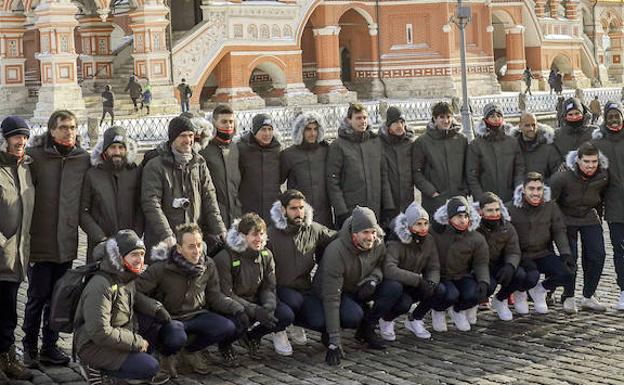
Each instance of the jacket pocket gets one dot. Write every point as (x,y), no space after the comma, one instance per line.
(8,255)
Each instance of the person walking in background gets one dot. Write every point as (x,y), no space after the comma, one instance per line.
(135,91)
(596,109)
(146,99)
(108,104)
(185,95)
(528,77)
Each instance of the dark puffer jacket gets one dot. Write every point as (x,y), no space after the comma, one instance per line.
(502,240)
(398,155)
(568,138)
(540,155)
(611,144)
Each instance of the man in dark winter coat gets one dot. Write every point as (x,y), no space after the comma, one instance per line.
(397,142)
(356,174)
(259,165)
(58,169)
(494,161)
(506,266)
(247,275)
(574,127)
(221,156)
(303,164)
(111,193)
(412,260)
(186,282)
(464,261)
(16,205)
(108,104)
(438,159)
(609,139)
(539,224)
(349,276)
(177,189)
(134,89)
(579,192)
(296,241)
(536,144)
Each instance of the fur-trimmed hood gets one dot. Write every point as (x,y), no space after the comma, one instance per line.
(204,130)
(161,251)
(572,157)
(131,152)
(108,253)
(41,140)
(300,123)
(279,218)
(518,198)
(545,133)
(236,241)
(441,216)
(604,132)
(483,132)
(504,212)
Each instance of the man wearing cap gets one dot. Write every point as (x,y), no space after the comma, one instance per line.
(494,161)
(574,127)
(177,188)
(349,276)
(111,195)
(222,156)
(259,165)
(356,172)
(58,170)
(438,159)
(17,203)
(536,144)
(397,141)
(609,139)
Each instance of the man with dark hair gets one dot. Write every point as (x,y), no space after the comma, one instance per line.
(111,195)
(185,95)
(108,104)
(539,224)
(58,169)
(438,159)
(247,275)
(494,161)
(536,144)
(134,89)
(579,191)
(356,174)
(304,163)
(574,127)
(222,157)
(296,241)
(259,165)
(177,188)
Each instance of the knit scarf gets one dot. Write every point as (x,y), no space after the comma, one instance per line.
(189,269)
(181,158)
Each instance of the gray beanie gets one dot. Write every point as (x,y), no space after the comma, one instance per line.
(413,213)
(128,241)
(114,134)
(363,218)
(491,108)
(259,121)
(457,205)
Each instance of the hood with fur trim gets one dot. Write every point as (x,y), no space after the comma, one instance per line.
(279,218)
(401,229)
(204,130)
(545,133)
(161,251)
(96,154)
(483,132)
(441,216)
(518,199)
(604,132)
(236,241)
(301,121)
(40,140)
(504,212)
(572,157)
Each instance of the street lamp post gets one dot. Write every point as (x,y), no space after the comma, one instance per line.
(461,19)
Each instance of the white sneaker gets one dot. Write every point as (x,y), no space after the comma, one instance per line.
(459,319)
(386,330)
(298,335)
(502,309)
(417,327)
(471,315)
(521,304)
(438,321)
(592,304)
(281,344)
(569,305)
(538,293)
(620,305)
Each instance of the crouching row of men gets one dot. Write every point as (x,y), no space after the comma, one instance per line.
(185,301)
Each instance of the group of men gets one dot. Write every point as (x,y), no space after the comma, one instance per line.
(281,263)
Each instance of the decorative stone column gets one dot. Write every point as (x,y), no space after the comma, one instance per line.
(554,8)
(516,62)
(570,9)
(597,34)
(59,83)
(13,91)
(328,86)
(540,8)
(614,53)
(97,56)
(376,87)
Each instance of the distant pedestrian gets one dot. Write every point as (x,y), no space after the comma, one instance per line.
(185,95)
(146,99)
(108,104)
(528,77)
(596,109)
(559,84)
(135,91)
(552,80)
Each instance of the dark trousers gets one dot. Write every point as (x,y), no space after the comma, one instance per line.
(616,234)
(284,316)
(42,277)
(8,314)
(522,280)
(410,296)
(137,366)
(459,293)
(185,104)
(302,304)
(555,272)
(592,257)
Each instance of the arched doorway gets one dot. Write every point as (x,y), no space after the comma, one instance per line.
(268,81)
(345,65)
(355,51)
(562,64)
(509,56)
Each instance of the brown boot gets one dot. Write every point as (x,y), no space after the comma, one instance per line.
(168,365)
(197,362)
(14,368)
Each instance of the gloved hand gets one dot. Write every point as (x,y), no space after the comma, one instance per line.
(505,274)
(340,220)
(333,356)
(266,318)
(528,264)
(214,244)
(428,288)
(569,262)
(366,290)
(482,290)
(162,315)
(243,319)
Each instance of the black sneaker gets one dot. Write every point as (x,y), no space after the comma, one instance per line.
(366,334)
(53,356)
(230,358)
(31,358)
(252,345)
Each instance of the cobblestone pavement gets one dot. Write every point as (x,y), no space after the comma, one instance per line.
(553,349)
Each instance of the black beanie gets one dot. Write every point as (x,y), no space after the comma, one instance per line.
(115,134)
(14,125)
(613,106)
(259,121)
(572,104)
(128,241)
(392,115)
(178,125)
(457,205)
